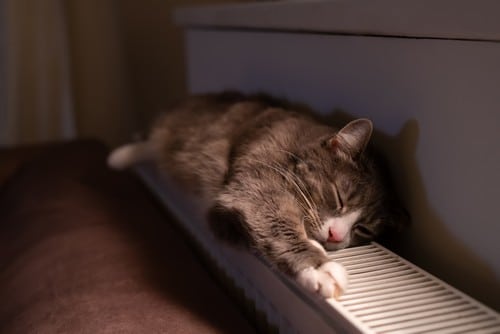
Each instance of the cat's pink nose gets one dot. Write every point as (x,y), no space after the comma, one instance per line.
(334,235)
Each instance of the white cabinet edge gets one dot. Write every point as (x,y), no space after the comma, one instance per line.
(458,19)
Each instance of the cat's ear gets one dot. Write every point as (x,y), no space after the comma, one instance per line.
(354,137)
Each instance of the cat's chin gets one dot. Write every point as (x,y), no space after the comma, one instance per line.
(333,246)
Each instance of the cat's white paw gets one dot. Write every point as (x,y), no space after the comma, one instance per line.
(329,280)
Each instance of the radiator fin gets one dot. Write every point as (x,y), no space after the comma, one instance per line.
(388,294)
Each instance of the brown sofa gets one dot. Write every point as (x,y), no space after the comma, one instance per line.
(84,249)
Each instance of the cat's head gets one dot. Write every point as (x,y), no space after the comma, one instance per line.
(345,193)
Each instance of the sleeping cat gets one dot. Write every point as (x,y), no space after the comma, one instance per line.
(276,180)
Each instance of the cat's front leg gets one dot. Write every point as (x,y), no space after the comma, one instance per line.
(308,263)
(278,235)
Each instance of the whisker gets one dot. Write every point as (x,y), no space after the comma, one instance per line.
(310,207)
(304,188)
(338,201)
(307,193)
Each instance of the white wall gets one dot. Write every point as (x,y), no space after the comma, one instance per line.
(436,106)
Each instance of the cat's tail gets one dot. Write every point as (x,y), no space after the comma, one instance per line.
(130,154)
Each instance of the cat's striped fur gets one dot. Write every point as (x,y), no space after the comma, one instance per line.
(276,179)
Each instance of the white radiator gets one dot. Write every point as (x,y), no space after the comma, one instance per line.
(387,294)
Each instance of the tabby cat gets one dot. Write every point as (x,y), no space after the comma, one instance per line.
(275,179)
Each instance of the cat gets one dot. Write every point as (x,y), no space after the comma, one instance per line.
(276,179)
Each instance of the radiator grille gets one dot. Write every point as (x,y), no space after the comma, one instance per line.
(388,294)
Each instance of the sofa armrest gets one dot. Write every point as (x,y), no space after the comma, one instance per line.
(84,249)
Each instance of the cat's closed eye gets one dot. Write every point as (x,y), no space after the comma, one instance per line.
(338,199)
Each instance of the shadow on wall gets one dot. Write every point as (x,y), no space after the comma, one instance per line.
(428,242)
(128,64)
(154,52)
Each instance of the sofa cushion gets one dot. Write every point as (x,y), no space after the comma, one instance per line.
(84,249)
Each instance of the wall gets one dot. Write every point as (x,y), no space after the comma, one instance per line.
(435,106)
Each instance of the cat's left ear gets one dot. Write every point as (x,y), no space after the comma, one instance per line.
(354,137)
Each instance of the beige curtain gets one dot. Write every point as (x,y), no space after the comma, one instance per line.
(37,101)
(87,68)
(63,72)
